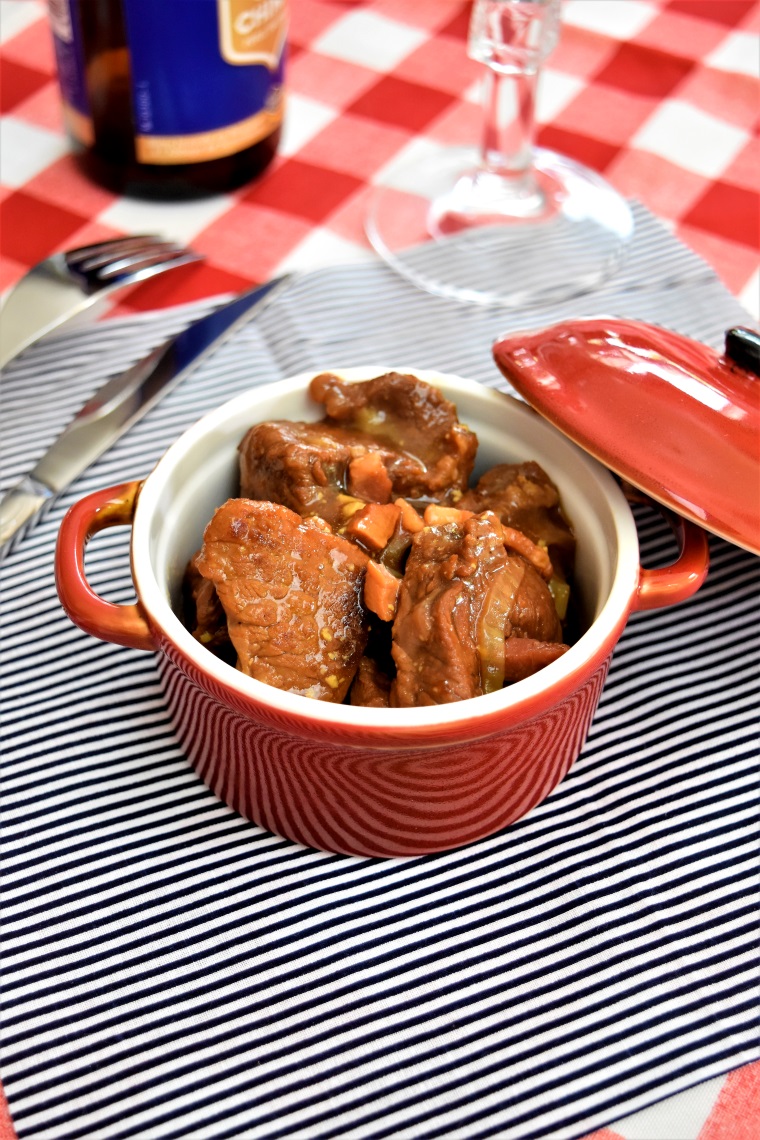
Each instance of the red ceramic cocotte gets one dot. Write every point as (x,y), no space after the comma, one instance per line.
(389,782)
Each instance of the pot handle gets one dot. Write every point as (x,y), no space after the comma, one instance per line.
(668,585)
(124,625)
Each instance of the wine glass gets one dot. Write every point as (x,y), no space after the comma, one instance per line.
(512,224)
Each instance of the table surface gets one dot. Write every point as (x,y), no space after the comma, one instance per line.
(662,97)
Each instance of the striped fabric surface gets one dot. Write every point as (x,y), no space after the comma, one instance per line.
(173,971)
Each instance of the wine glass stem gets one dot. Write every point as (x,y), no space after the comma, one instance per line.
(509,114)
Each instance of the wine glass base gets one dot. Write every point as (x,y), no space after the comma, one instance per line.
(460,232)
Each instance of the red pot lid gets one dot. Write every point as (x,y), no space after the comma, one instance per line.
(670,415)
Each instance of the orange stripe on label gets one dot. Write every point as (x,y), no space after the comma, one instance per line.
(169,150)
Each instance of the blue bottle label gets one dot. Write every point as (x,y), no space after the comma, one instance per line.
(207,76)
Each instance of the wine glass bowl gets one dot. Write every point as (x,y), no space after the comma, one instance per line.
(508,223)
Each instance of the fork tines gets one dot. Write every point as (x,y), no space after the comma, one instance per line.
(107,260)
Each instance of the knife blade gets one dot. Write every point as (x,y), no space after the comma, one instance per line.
(119,404)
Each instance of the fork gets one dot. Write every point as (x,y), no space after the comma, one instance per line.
(66,284)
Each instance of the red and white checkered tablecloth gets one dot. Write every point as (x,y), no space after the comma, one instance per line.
(659,95)
(662,96)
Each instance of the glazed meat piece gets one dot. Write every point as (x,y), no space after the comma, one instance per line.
(445,583)
(524,497)
(371,687)
(204,615)
(312,468)
(463,594)
(388,437)
(291,591)
(524,656)
(532,612)
(433,453)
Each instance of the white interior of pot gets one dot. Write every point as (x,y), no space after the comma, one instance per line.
(200,471)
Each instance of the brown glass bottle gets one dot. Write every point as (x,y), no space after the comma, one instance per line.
(108,150)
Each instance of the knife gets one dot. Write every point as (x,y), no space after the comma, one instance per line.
(120,403)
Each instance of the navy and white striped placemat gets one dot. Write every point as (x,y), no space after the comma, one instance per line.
(170,970)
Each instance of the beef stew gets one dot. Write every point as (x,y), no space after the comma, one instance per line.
(358,564)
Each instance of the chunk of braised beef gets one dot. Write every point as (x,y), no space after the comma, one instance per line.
(307,467)
(204,615)
(524,497)
(435,635)
(434,452)
(533,612)
(291,591)
(463,594)
(371,687)
(388,437)
(524,656)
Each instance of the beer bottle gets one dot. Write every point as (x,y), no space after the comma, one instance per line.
(171,98)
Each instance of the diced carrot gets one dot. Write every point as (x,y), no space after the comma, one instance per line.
(438,516)
(536,555)
(373,525)
(381,591)
(411,520)
(368,479)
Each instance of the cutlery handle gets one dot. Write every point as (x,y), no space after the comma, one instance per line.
(19,506)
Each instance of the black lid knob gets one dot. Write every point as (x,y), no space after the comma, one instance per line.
(743,347)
